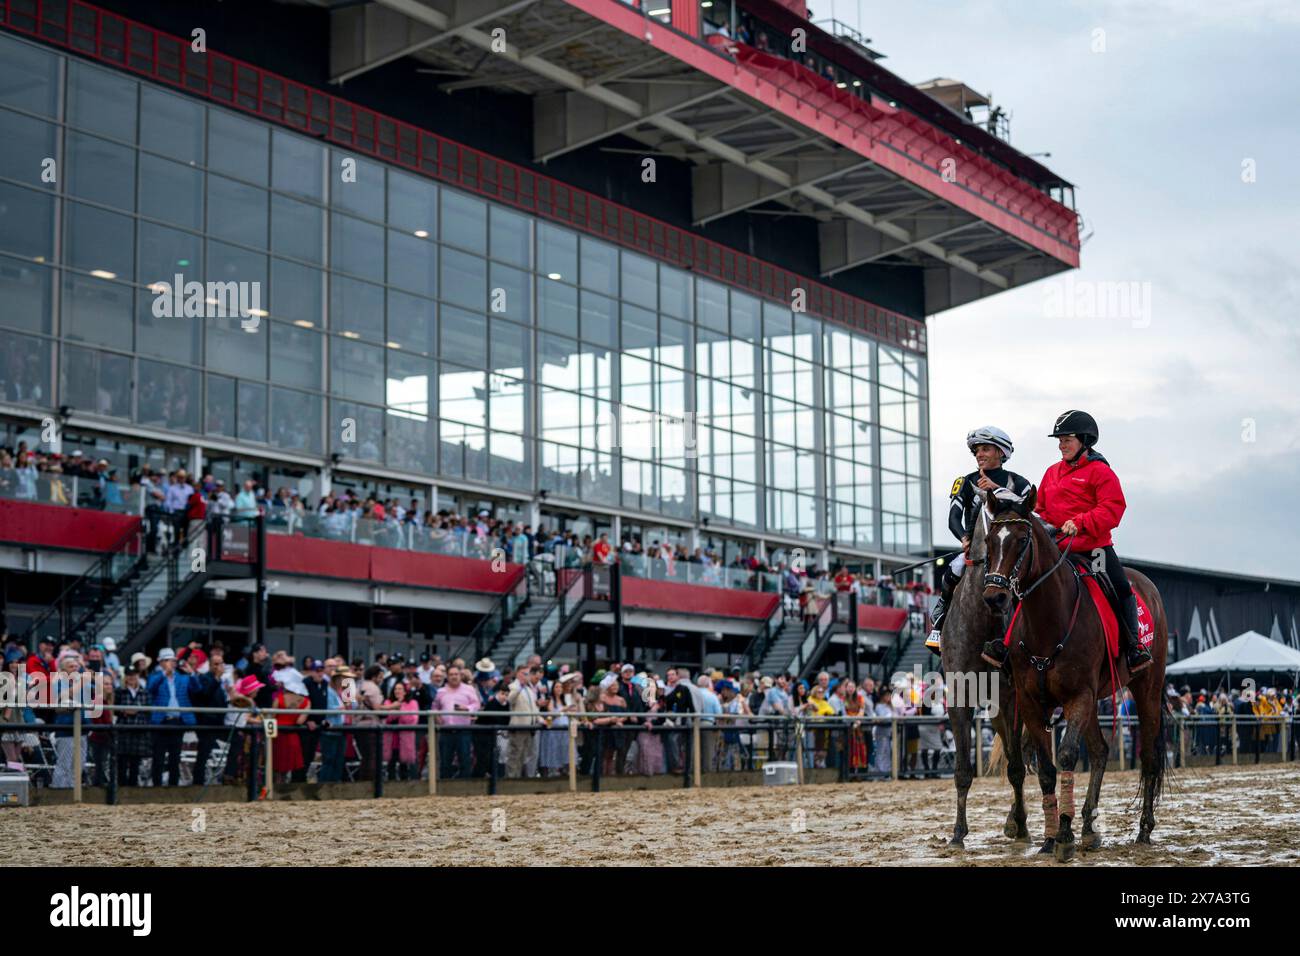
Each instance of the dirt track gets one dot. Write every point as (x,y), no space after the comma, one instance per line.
(1215,816)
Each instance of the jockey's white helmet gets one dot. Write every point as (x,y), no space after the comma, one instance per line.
(991,435)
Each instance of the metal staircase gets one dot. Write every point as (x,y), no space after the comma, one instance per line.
(782,647)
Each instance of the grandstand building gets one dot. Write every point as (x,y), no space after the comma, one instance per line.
(659,271)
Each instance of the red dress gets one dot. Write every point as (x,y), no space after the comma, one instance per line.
(286,748)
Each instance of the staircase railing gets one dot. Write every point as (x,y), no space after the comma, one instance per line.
(99,581)
(505,608)
(818,631)
(570,596)
(169,565)
(766,635)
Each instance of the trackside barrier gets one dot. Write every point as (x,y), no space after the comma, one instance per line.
(596,747)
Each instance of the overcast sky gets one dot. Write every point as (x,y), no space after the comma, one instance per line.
(1153,131)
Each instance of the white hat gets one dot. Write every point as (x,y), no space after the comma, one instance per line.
(166,654)
(110,644)
(609,680)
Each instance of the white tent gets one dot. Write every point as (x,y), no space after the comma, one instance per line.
(1244,654)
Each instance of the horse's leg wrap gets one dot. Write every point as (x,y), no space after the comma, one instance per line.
(1051,819)
(1066,782)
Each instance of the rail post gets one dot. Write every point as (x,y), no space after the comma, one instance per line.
(979,746)
(1234,738)
(893,747)
(1282,740)
(76,752)
(1182,742)
(798,751)
(573,755)
(696,760)
(433,755)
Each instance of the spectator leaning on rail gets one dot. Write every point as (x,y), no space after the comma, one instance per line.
(463,700)
(168,688)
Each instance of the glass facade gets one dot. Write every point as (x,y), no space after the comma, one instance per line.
(414,327)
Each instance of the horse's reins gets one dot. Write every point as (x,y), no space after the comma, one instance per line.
(1012,584)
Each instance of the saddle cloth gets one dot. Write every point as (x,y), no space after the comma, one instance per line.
(1110,624)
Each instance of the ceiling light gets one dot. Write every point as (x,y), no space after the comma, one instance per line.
(260,313)
(103,274)
(394,345)
(351,335)
(422,234)
(554,275)
(304,324)
(841,84)
(661,12)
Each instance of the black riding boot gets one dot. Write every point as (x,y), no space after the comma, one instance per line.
(947,584)
(1139,658)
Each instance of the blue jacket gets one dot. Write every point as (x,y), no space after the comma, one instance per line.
(158,696)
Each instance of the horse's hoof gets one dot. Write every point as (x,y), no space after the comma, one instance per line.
(1015,830)
(1090,841)
(957,843)
(1144,838)
(1064,852)
(1049,846)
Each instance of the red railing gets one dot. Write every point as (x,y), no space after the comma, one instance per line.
(163,58)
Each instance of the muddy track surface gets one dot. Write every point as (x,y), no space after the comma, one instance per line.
(1217,816)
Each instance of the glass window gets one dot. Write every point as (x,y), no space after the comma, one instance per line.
(101,101)
(297,166)
(29,76)
(413,204)
(25,291)
(510,294)
(461,395)
(711,305)
(295,420)
(557,307)
(510,348)
(356,370)
(413,263)
(297,229)
(412,322)
(364,194)
(356,431)
(219,410)
(557,252)
(171,192)
(26,222)
(101,171)
(464,279)
(640,331)
(252,411)
(97,310)
(166,252)
(237,213)
(234,349)
(412,441)
(599,319)
(96,383)
(237,146)
(171,125)
(177,337)
(297,294)
(357,308)
(25,138)
(599,265)
(640,280)
(464,338)
(510,234)
(674,292)
(464,221)
(168,396)
(25,370)
(675,342)
(357,247)
(409,386)
(296,356)
(99,241)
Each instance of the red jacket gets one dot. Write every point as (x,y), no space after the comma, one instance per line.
(1089,494)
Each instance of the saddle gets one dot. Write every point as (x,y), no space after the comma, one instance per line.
(1106,601)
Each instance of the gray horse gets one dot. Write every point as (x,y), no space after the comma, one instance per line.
(968,625)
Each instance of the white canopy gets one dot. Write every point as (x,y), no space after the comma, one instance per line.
(1247,652)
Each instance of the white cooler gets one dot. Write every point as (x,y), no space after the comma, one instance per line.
(780,774)
(15,789)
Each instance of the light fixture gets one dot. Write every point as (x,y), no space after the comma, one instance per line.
(260,313)
(422,234)
(857,82)
(351,335)
(39,259)
(158,288)
(304,324)
(841,85)
(661,12)
(394,345)
(554,275)
(103,274)
(182,262)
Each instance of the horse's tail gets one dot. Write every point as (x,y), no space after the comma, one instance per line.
(1162,777)
(997,757)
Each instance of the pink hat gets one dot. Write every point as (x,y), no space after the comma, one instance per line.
(66,653)
(248,686)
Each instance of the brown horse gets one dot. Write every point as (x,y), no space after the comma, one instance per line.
(1059,658)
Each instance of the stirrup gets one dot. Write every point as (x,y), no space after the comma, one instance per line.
(1139,660)
(932,640)
(995,653)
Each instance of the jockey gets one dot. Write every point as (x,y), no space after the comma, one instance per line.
(1081,495)
(991,447)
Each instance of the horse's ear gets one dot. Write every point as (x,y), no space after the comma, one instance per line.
(1031,499)
(991,502)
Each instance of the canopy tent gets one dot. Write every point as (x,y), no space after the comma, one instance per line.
(1247,653)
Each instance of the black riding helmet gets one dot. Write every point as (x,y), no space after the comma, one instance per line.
(1075,422)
